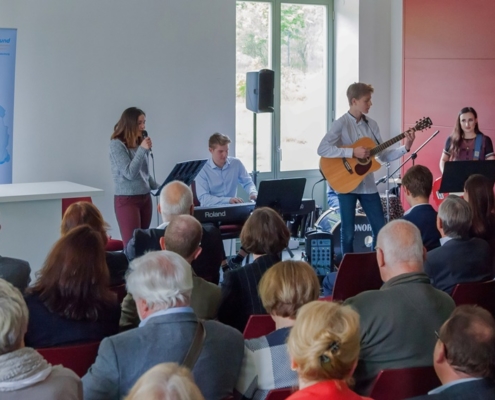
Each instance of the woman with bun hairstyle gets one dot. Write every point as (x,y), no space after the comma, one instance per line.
(324,350)
(461,143)
(129,153)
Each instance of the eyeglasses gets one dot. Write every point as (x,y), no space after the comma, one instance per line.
(437,335)
(444,345)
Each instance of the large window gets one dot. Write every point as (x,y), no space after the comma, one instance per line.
(292,39)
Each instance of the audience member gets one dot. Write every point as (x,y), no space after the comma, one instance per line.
(417,184)
(460,259)
(84,212)
(161,283)
(176,198)
(478,192)
(167,381)
(15,271)
(464,356)
(283,289)
(324,349)
(265,236)
(183,236)
(24,373)
(397,320)
(70,301)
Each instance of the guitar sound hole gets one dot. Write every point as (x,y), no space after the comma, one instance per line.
(363,161)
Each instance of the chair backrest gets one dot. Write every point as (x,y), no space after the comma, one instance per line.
(67,202)
(195,196)
(479,293)
(120,291)
(279,394)
(258,325)
(357,273)
(78,358)
(394,384)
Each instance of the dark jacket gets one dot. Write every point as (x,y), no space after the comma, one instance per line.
(483,389)
(206,266)
(459,261)
(424,217)
(240,297)
(47,329)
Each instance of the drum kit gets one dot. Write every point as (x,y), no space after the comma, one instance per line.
(329,221)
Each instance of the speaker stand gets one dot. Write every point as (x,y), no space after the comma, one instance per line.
(255,171)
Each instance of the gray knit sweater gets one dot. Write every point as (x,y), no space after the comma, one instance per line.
(130,169)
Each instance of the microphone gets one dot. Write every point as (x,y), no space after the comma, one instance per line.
(144,134)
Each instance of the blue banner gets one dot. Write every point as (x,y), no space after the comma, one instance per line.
(8,41)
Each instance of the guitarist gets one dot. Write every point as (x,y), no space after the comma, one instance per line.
(346,130)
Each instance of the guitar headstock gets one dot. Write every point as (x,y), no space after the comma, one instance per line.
(423,123)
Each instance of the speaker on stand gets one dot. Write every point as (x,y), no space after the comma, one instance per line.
(259,99)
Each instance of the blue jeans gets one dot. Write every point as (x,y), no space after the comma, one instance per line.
(372,206)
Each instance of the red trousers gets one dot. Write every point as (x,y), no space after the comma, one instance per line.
(132,212)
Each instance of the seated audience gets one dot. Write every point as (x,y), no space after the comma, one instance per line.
(464,356)
(478,192)
(15,271)
(324,349)
(397,320)
(283,289)
(70,301)
(417,184)
(166,381)
(176,198)
(265,236)
(460,259)
(161,283)
(183,236)
(83,212)
(24,373)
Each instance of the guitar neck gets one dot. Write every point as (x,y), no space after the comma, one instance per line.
(386,144)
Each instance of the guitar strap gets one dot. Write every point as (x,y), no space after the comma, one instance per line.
(371,130)
(477,146)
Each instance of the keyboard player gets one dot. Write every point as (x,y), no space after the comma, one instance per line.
(216,183)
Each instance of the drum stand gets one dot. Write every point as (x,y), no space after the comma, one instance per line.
(389,175)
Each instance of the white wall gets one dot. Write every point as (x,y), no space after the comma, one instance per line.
(380,63)
(81,63)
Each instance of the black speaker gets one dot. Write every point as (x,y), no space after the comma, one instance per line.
(259,90)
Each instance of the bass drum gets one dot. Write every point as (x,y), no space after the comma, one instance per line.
(329,221)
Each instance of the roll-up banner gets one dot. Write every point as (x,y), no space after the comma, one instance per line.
(8,40)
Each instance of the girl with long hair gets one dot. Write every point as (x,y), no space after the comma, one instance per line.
(130,148)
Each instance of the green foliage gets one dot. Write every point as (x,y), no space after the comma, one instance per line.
(292,22)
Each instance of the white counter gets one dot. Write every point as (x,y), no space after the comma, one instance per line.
(30,216)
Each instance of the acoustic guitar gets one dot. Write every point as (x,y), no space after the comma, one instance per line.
(345,174)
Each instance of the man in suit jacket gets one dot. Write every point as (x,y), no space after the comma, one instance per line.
(397,322)
(176,198)
(183,236)
(161,282)
(464,356)
(15,271)
(460,259)
(417,183)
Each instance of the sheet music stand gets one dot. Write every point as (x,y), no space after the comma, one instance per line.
(283,195)
(455,174)
(185,171)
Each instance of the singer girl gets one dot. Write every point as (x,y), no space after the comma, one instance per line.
(129,153)
(466,142)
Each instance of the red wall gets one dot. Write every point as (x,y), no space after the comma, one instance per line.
(449,63)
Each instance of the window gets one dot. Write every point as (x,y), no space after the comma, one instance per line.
(292,39)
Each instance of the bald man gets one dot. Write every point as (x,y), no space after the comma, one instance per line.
(176,198)
(399,320)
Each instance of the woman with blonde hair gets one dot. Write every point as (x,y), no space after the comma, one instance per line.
(84,212)
(166,381)
(283,289)
(324,350)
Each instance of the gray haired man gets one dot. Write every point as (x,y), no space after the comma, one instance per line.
(161,283)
